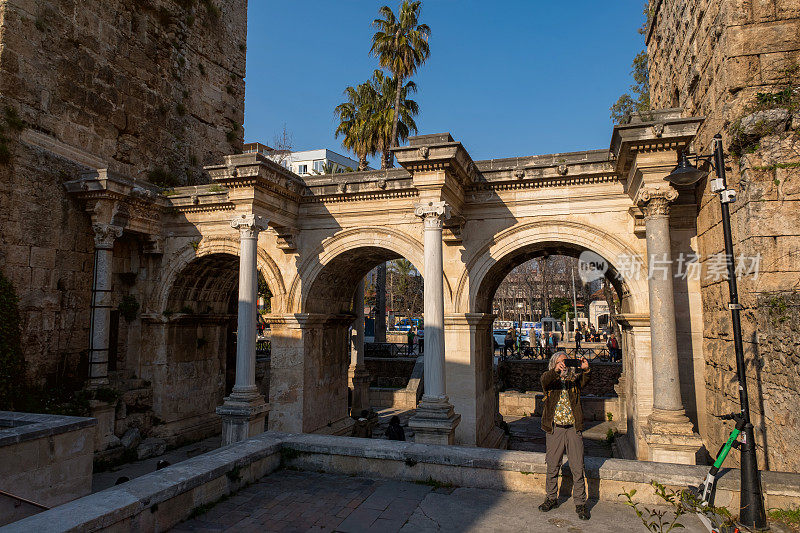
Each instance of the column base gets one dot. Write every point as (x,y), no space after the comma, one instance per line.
(360,380)
(435,422)
(670,438)
(242,417)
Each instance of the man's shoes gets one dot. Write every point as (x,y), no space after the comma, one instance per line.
(548,505)
(583,512)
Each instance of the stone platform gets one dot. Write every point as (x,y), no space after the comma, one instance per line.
(309,501)
(161,500)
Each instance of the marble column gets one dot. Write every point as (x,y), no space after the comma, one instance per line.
(669,431)
(357,373)
(435,421)
(104,237)
(244,410)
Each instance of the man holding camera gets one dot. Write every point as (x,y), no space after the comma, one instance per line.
(562,420)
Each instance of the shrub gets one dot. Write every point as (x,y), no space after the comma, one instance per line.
(12,361)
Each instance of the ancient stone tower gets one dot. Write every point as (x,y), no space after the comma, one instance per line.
(737,63)
(147,88)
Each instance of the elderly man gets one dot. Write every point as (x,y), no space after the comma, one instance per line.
(562,420)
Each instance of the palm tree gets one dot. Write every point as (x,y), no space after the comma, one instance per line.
(356,121)
(384,117)
(401,45)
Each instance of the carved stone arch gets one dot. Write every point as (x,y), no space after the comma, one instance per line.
(526,234)
(208,246)
(398,242)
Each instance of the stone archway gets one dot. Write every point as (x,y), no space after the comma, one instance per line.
(192,364)
(470,382)
(496,258)
(209,245)
(311,347)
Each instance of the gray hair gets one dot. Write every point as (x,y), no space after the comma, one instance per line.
(569,374)
(554,359)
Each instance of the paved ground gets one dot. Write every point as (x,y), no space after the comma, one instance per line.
(306,501)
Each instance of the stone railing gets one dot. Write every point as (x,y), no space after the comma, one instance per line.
(158,501)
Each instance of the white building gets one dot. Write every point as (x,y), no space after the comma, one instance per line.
(307,162)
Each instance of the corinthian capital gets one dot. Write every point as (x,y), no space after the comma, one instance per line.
(433,213)
(655,201)
(249,225)
(104,235)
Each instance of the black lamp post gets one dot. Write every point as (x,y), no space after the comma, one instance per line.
(751,512)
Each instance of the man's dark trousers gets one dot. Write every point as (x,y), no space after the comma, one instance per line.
(561,439)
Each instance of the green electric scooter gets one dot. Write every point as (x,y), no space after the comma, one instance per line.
(705,491)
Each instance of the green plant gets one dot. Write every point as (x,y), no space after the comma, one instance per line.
(12,361)
(162,178)
(229,89)
(230,135)
(212,10)
(195,245)
(790,517)
(610,436)
(609,416)
(186,310)
(217,188)
(128,308)
(680,503)
(638,99)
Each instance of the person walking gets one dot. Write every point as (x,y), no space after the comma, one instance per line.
(578,339)
(508,343)
(562,421)
(410,340)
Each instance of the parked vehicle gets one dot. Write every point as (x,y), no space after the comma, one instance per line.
(405,324)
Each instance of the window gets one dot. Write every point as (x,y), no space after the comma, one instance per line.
(302,169)
(318,164)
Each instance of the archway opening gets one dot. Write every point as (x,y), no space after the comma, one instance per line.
(329,350)
(542,305)
(198,365)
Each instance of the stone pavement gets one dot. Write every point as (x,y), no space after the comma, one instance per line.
(306,501)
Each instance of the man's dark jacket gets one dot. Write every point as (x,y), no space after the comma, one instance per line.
(552,385)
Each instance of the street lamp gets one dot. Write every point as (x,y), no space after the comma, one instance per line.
(751,504)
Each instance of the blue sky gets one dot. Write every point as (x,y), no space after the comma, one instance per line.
(505,77)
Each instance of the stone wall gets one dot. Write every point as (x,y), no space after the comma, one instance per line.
(526,376)
(46,459)
(713,58)
(153,89)
(388,372)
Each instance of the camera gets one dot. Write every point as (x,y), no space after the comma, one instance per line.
(574,363)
